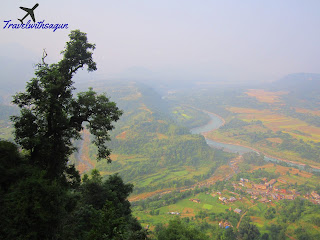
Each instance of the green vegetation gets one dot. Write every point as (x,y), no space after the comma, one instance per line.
(189,117)
(276,220)
(254,123)
(178,230)
(51,118)
(245,133)
(41,196)
(150,149)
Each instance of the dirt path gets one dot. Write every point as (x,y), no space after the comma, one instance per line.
(243,216)
(148,195)
(84,162)
(292,238)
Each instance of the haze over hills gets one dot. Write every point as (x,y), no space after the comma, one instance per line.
(253,118)
(14,74)
(219,133)
(153,149)
(302,89)
(299,83)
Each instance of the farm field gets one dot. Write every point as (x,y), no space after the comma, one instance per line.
(205,207)
(260,130)
(212,211)
(308,111)
(219,175)
(279,122)
(266,150)
(290,175)
(190,209)
(266,96)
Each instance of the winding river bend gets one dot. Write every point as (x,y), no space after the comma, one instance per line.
(215,123)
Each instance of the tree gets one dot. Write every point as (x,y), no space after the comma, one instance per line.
(228,234)
(51,117)
(249,231)
(103,211)
(277,232)
(40,195)
(178,230)
(270,213)
(32,205)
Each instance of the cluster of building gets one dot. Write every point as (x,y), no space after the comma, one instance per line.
(268,190)
(237,210)
(174,213)
(225,224)
(313,197)
(227,200)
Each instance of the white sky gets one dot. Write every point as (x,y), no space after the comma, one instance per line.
(235,40)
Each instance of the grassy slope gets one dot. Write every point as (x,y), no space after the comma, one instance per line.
(145,130)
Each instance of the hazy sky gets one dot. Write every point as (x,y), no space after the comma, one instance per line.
(235,40)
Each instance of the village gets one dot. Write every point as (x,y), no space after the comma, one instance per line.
(267,192)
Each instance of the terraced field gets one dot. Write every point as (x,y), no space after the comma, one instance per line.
(279,122)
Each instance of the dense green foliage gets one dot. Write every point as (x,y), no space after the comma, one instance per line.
(103,211)
(178,230)
(41,196)
(51,118)
(249,231)
(35,207)
(31,205)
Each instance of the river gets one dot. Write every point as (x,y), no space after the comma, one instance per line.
(215,123)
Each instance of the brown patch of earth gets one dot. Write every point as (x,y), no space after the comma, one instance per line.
(114,157)
(257,220)
(122,135)
(146,195)
(162,136)
(265,96)
(86,163)
(187,212)
(275,140)
(144,107)
(308,111)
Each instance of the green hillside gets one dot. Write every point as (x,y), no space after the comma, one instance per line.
(149,148)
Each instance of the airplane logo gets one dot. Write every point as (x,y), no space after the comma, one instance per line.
(29,12)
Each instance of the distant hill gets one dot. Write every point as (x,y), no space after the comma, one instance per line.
(299,82)
(301,86)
